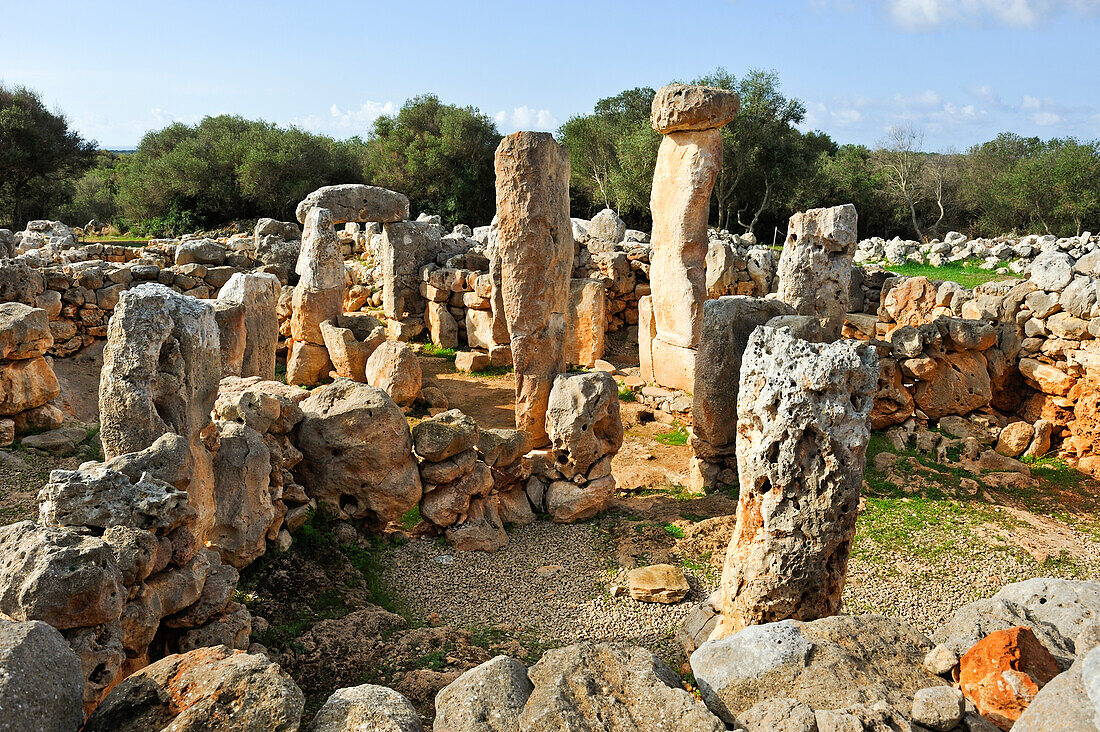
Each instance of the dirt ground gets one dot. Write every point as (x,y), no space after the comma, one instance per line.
(344,607)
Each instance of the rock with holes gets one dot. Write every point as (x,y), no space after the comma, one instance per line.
(815,268)
(357,457)
(535,245)
(161,367)
(97,496)
(356,202)
(208,688)
(488,697)
(41,680)
(958,384)
(245,506)
(583,421)
(803,426)
(1069,702)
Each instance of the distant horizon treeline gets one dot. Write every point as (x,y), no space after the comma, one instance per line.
(185,177)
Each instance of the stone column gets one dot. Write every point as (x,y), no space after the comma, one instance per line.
(535,241)
(258,295)
(161,368)
(318,296)
(727,324)
(803,422)
(688,161)
(815,269)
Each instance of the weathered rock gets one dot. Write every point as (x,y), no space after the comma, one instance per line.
(959,384)
(356,202)
(567,502)
(502,447)
(679,107)
(444,436)
(585,336)
(727,324)
(26,384)
(161,368)
(231,628)
(96,496)
(406,245)
(1049,379)
(307,364)
(393,367)
(231,336)
(208,688)
(357,452)
(1015,438)
(1051,270)
(1004,671)
(244,505)
(258,294)
(445,504)
(779,715)
(893,402)
(366,707)
(62,577)
(135,551)
(319,295)
(661,583)
(803,426)
(615,687)
(535,241)
(816,265)
(24,331)
(606,227)
(471,361)
(41,679)
(832,663)
(101,655)
(181,586)
(487,698)
(1068,703)
(583,420)
(480,530)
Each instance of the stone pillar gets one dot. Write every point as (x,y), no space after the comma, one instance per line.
(803,422)
(406,246)
(318,296)
(688,161)
(815,269)
(161,368)
(535,241)
(258,295)
(727,324)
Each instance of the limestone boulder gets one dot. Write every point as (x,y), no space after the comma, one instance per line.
(445,435)
(583,420)
(394,368)
(1003,673)
(489,697)
(24,331)
(102,653)
(231,628)
(366,707)
(567,501)
(99,497)
(585,338)
(61,576)
(839,662)
(596,685)
(406,246)
(243,502)
(1052,270)
(200,251)
(356,202)
(480,528)
(357,452)
(258,294)
(1068,701)
(727,324)
(135,552)
(535,245)
(26,384)
(208,688)
(959,384)
(803,427)
(663,583)
(606,227)
(815,268)
(678,107)
(41,679)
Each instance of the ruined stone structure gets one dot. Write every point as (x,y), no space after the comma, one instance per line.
(535,239)
(803,423)
(815,270)
(687,165)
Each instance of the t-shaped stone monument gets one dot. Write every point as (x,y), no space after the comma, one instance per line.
(688,161)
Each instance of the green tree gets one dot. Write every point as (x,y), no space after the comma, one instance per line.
(95,194)
(40,156)
(440,156)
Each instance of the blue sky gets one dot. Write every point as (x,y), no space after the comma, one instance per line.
(959,70)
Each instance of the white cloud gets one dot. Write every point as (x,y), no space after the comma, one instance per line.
(346,121)
(921,15)
(1046,119)
(525,118)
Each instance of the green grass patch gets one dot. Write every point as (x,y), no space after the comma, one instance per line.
(410,520)
(678,436)
(626,394)
(673,530)
(431,349)
(966,274)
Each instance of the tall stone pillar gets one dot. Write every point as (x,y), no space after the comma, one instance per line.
(815,269)
(688,162)
(318,296)
(257,294)
(803,423)
(535,241)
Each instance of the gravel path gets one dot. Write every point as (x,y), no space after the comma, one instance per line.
(551,580)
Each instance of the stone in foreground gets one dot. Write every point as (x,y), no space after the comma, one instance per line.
(41,681)
(366,707)
(661,583)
